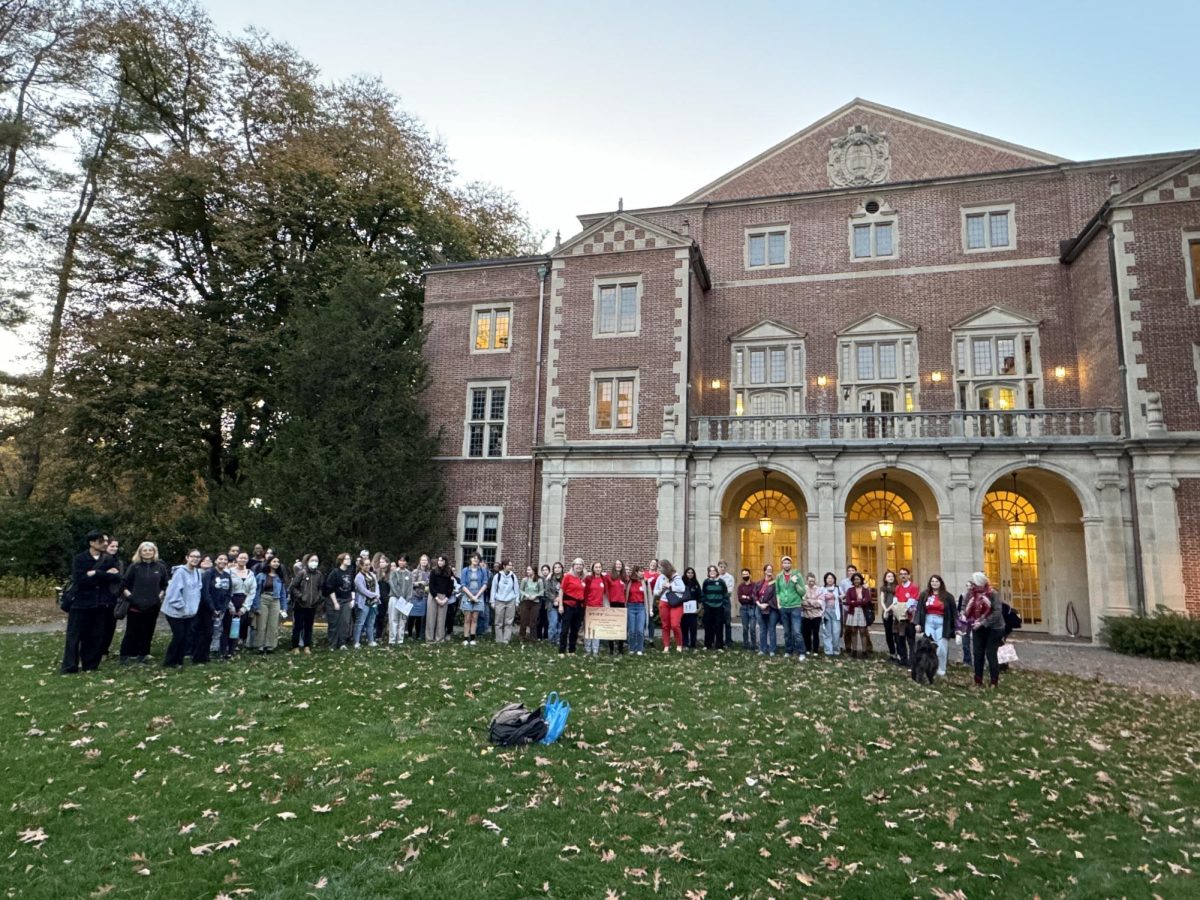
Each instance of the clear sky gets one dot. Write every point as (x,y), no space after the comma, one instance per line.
(570,106)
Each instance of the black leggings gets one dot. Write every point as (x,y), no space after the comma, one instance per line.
(811,630)
(688,626)
(985,643)
(302,626)
(714,627)
(139,632)
(568,634)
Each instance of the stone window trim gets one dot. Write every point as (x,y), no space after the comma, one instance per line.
(471,533)
(613,377)
(883,215)
(744,388)
(617,281)
(488,423)
(904,382)
(986,210)
(766,231)
(1024,376)
(492,312)
(1191,263)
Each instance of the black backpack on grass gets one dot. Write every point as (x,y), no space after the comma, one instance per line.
(515,725)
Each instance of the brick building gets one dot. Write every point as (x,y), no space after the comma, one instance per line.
(885,341)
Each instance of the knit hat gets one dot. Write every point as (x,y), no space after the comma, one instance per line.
(979,579)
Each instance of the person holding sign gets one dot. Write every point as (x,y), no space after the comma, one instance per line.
(594,587)
(617,589)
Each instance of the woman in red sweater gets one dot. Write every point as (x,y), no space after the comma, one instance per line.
(570,607)
(635,617)
(617,589)
(595,588)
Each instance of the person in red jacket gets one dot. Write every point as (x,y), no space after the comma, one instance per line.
(570,607)
(595,589)
(617,590)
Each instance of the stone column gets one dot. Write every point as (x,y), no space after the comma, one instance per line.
(1162,559)
(960,531)
(554,491)
(826,523)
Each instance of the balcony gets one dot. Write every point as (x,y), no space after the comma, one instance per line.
(1057,426)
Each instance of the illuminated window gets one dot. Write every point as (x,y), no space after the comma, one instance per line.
(490,329)
(614,402)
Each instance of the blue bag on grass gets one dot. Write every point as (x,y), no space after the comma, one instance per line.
(235,628)
(555,712)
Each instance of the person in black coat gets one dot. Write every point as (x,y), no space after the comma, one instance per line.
(143,585)
(92,574)
(110,620)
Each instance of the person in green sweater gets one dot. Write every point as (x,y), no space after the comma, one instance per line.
(715,594)
(789,591)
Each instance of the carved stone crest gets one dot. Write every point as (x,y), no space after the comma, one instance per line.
(858,159)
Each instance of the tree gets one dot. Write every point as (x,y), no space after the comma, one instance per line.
(350,461)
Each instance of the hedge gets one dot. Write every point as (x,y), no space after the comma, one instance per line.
(1164,635)
(35,587)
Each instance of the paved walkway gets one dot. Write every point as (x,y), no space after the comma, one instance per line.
(1082,660)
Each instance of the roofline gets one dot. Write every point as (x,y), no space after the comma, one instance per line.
(499,262)
(964,133)
(922,182)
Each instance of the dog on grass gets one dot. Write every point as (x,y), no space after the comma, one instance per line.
(925,661)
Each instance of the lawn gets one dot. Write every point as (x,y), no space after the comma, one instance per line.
(720,775)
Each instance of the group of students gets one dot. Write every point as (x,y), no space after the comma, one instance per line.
(237,601)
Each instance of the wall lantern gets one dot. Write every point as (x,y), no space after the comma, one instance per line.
(886,526)
(822,381)
(935,376)
(1016,529)
(715,384)
(1060,372)
(764,522)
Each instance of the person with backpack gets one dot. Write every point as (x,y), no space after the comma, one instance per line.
(307,593)
(339,594)
(142,590)
(85,600)
(504,594)
(180,605)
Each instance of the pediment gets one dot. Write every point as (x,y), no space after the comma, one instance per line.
(994,318)
(877,324)
(767,330)
(620,232)
(1180,182)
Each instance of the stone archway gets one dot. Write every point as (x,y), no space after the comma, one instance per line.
(749,500)
(891,523)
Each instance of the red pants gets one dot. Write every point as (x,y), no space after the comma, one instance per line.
(671,619)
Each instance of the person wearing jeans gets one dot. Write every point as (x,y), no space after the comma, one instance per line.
(635,613)
(935,618)
(767,605)
(831,618)
(551,581)
(366,602)
(789,593)
(748,612)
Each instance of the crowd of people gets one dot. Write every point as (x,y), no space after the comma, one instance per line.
(237,601)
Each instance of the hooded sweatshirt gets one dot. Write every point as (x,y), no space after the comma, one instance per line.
(183,593)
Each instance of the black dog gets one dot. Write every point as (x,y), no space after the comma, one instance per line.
(925,661)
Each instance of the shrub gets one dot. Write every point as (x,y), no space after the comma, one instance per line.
(1163,635)
(34,587)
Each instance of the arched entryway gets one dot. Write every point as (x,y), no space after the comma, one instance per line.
(1034,551)
(765,519)
(892,522)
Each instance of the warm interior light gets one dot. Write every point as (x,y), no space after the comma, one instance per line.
(1016,530)
(1060,372)
(764,525)
(822,381)
(935,376)
(716,384)
(886,528)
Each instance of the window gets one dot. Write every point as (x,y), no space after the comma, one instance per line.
(617,303)
(487,412)
(479,532)
(878,367)
(614,401)
(490,327)
(873,232)
(768,371)
(1191,262)
(996,362)
(988,228)
(767,247)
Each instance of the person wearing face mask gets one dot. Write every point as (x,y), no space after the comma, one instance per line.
(180,605)
(306,595)
(748,612)
(142,588)
(215,593)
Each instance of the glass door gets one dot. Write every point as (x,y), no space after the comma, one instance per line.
(1011,565)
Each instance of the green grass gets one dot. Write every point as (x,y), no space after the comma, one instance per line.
(724,775)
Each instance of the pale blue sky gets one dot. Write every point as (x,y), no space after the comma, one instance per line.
(570,106)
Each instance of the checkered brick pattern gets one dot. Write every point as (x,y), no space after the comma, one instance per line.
(1185,186)
(618,236)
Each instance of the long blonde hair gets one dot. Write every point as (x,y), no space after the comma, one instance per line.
(137,554)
